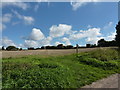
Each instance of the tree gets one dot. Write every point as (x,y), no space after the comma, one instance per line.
(42,47)
(31,48)
(101,43)
(88,45)
(3,48)
(69,46)
(60,46)
(20,49)
(11,48)
(118,34)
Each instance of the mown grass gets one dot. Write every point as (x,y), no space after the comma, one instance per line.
(69,71)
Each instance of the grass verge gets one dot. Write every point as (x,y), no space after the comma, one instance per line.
(69,71)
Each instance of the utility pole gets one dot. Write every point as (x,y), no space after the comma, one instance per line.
(76,48)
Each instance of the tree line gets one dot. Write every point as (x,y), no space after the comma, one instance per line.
(101,43)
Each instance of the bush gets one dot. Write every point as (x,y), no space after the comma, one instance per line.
(96,63)
(105,54)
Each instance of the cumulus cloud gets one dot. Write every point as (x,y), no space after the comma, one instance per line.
(93,32)
(89,26)
(28,20)
(7,42)
(91,35)
(46,41)
(60,30)
(36,34)
(93,40)
(108,25)
(31,43)
(111,36)
(56,43)
(15,3)
(37,39)
(66,40)
(39,43)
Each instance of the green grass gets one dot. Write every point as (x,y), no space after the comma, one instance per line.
(69,71)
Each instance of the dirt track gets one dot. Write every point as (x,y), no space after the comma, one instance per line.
(109,82)
(7,54)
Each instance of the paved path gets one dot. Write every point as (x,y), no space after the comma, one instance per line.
(109,82)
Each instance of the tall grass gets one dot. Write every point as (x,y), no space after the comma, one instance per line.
(66,71)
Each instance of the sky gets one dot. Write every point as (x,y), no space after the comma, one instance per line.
(36,24)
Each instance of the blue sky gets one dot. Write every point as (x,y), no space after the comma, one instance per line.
(37,24)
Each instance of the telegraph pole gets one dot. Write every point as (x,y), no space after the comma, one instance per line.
(76,48)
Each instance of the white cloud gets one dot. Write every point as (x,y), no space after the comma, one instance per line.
(21,46)
(89,26)
(60,30)
(91,35)
(21,5)
(110,37)
(76,4)
(7,42)
(6,18)
(93,32)
(108,25)
(31,43)
(36,34)
(27,19)
(37,39)
(79,3)
(66,40)
(46,41)
(39,43)
(56,43)
(93,40)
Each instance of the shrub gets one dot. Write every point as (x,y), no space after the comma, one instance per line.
(96,63)
(105,54)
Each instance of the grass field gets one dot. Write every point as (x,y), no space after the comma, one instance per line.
(45,52)
(68,71)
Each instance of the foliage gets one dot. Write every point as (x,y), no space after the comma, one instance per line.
(31,48)
(118,34)
(3,48)
(105,54)
(66,71)
(11,48)
(103,43)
